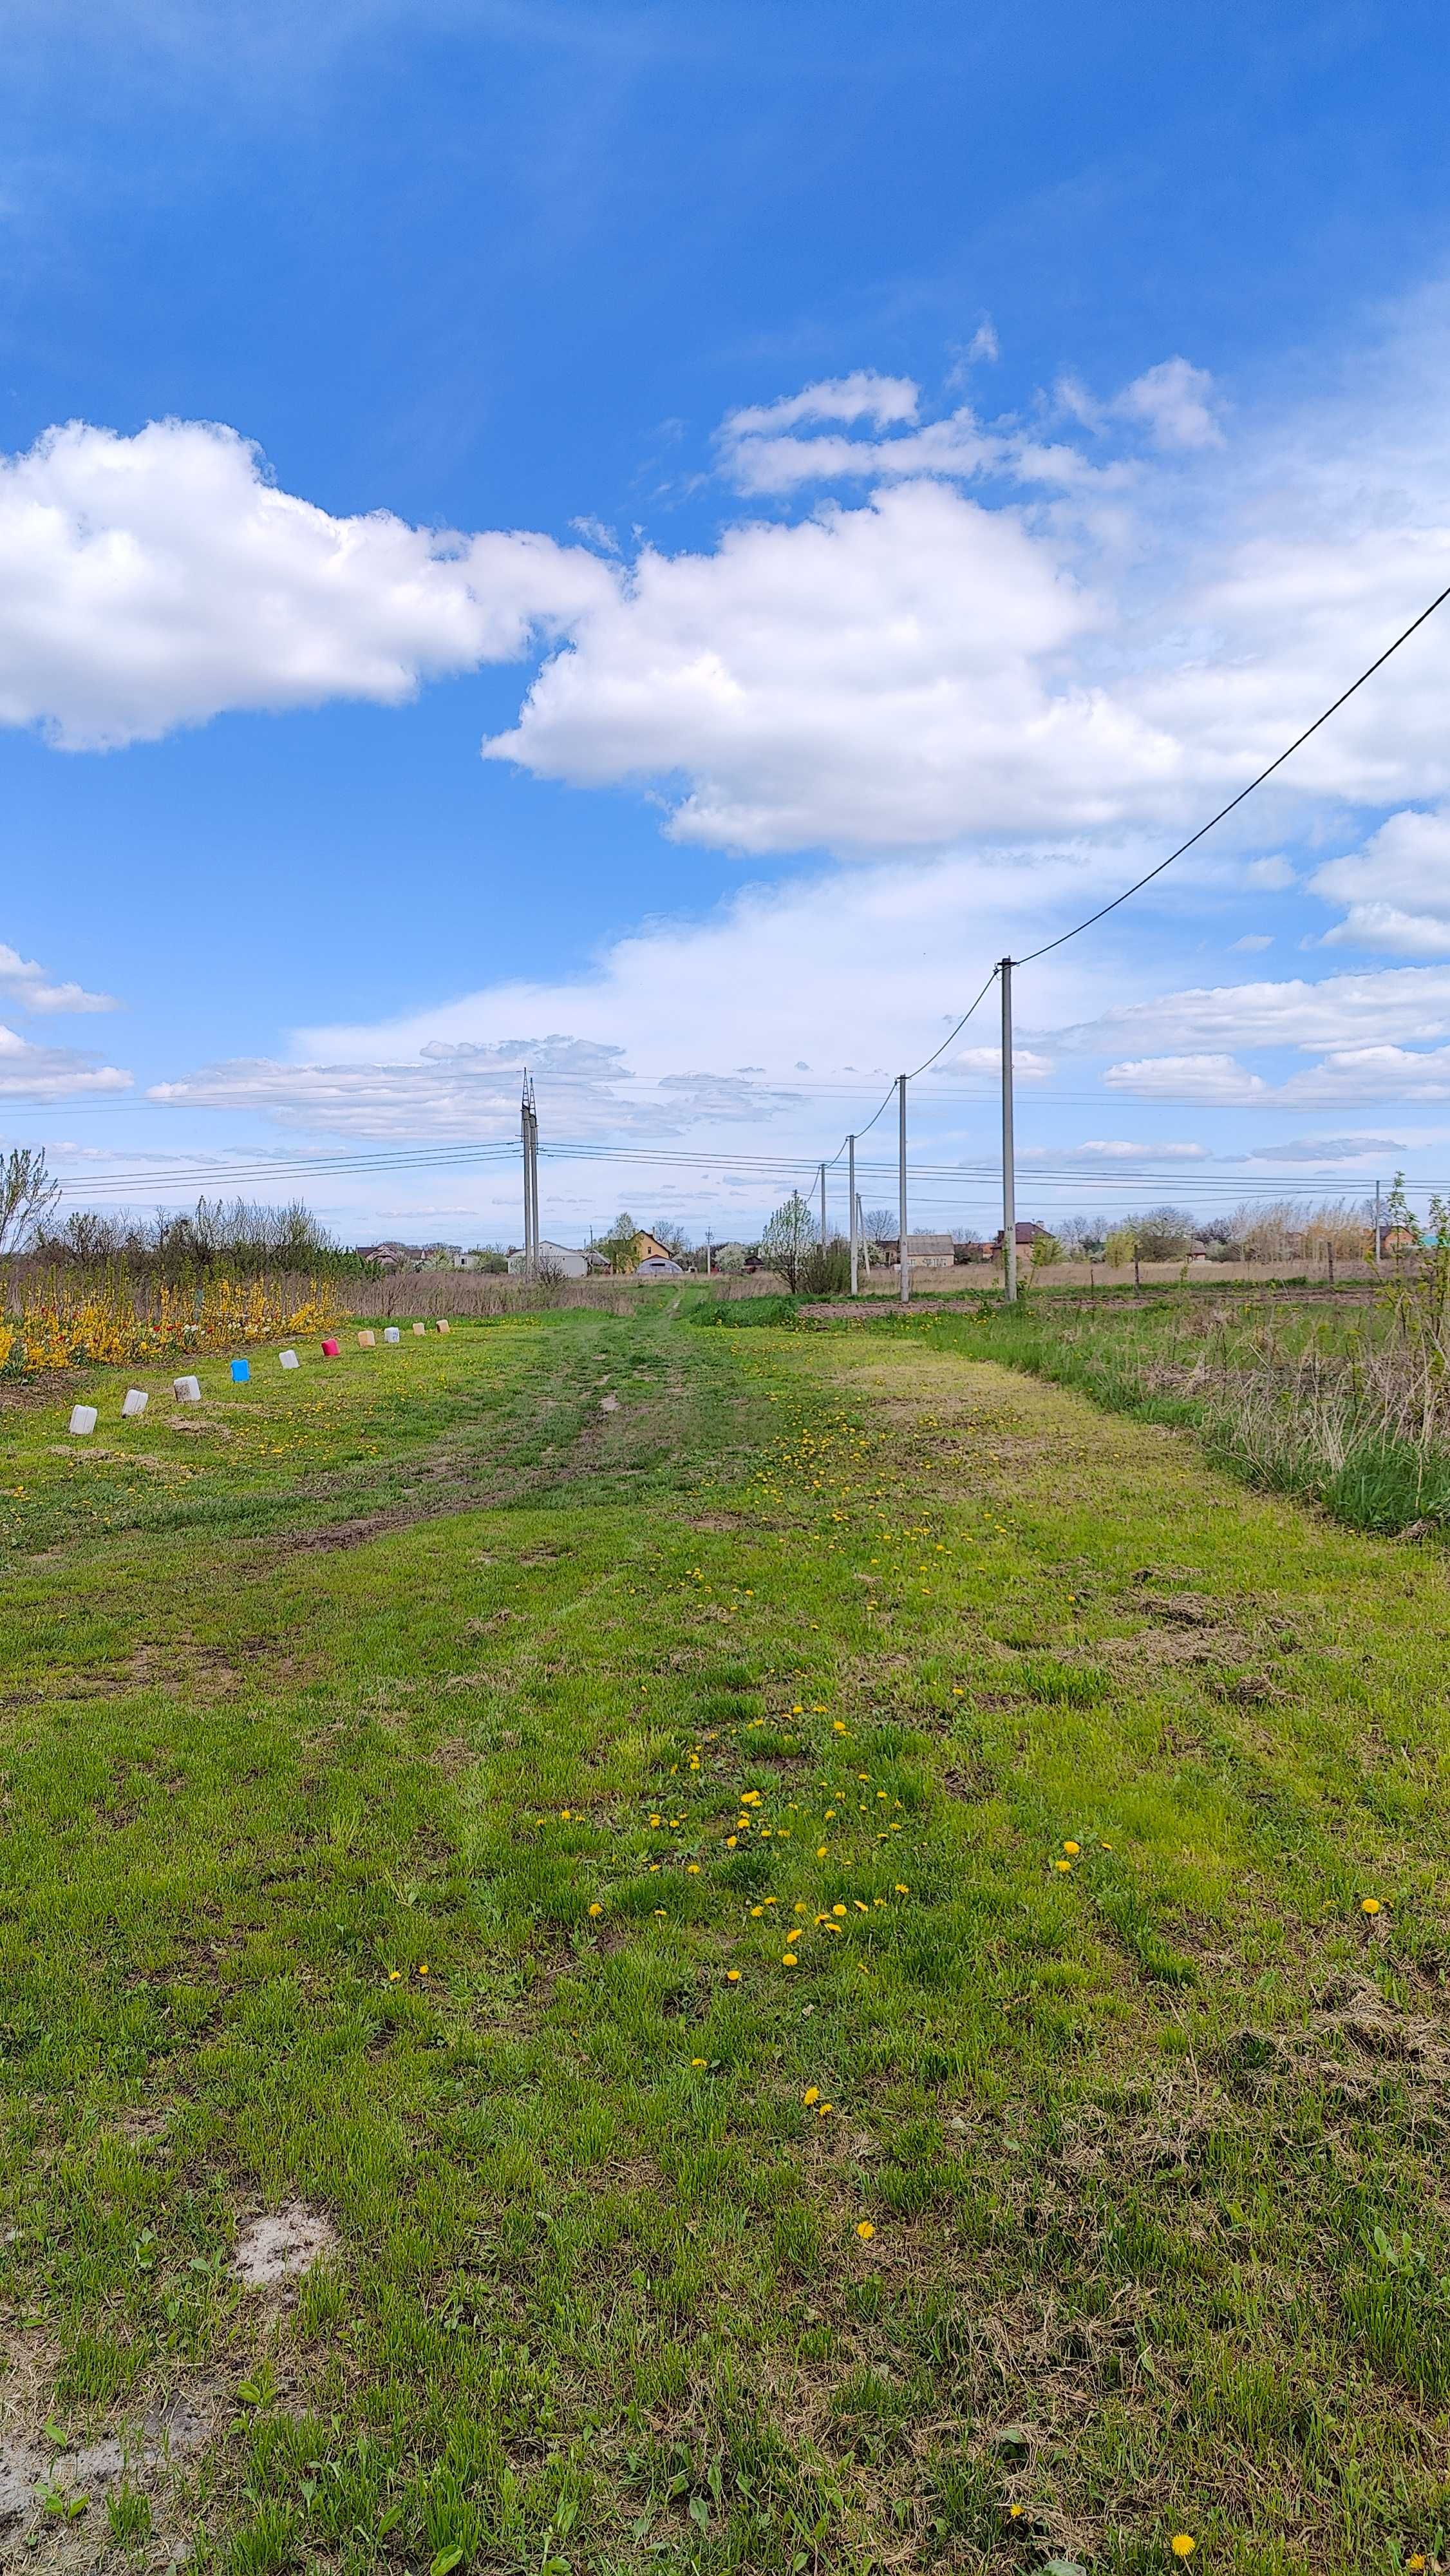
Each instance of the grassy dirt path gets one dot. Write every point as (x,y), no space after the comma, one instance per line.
(625,1947)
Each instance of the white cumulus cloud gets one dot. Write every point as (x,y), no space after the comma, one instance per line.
(871,678)
(1396,887)
(153,581)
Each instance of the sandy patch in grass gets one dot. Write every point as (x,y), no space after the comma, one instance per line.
(281,2245)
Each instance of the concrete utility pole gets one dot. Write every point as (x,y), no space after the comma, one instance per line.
(903,1258)
(851,1204)
(1009,1150)
(1377,1225)
(823,1207)
(530,1126)
(861,1236)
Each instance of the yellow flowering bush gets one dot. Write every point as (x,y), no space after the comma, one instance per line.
(61,1324)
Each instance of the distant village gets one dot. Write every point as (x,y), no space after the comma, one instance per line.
(1261,1232)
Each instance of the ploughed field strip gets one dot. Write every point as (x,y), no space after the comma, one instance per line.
(636,1948)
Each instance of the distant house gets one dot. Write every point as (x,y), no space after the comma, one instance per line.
(648,1247)
(559,1259)
(1396,1239)
(413,1256)
(923,1251)
(1027,1231)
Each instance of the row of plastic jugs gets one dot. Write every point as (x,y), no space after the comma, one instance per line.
(187,1390)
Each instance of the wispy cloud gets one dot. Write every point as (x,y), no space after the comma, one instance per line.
(35,989)
(29,1072)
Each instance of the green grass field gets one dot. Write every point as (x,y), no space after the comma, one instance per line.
(796,1942)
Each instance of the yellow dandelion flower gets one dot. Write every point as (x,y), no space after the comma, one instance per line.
(697,2061)
(838,1910)
(824,2110)
(422,1967)
(596,1909)
(394,1976)
(811,2094)
(1072,1850)
(732,1976)
(1182,2544)
(789,1960)
(820,1851)
(1369,1905)
(901,1888)
(731,1841)
(756,1912)
(692,1869)
(865,2230)
(1065,1866)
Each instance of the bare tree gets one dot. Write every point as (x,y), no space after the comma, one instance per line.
(27,1195)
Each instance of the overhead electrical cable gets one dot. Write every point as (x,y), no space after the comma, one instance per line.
(1286,754)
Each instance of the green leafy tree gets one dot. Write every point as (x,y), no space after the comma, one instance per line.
(618,1244)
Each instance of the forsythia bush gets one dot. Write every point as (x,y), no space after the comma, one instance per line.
(59,1326)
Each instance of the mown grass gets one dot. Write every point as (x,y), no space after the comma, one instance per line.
(1306,1401)
(933,1749)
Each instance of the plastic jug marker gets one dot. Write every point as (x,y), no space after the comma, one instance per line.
(365,1341)
(241,1372)
(82,1420)
(289,1359)
(391,1333)
(420,1328)
(443,1324)
(329,1348)
(187,1390)
(135,1400)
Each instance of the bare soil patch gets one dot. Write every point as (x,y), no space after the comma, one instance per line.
(281,2245)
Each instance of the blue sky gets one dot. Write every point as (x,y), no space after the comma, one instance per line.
(872,481)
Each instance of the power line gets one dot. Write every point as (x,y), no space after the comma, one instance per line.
(1299,739)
